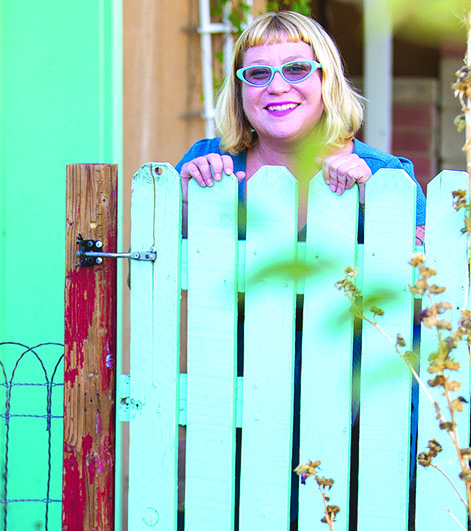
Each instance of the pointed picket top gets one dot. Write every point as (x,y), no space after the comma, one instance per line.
(339,211)
(154,360)
(446,251)
(267,175)
(442,220)
(270,184)
(327,347)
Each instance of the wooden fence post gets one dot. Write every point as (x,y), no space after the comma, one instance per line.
(90,352)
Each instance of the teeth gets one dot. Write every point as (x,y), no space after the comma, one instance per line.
(284,107)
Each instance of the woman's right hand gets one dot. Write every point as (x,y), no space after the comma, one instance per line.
(207,169)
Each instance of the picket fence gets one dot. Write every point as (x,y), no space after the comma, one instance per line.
(227,414)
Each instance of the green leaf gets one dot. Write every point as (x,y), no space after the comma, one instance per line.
(412,358)
(290,270)
(429,22)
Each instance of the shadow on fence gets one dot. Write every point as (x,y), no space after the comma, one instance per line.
(30,456)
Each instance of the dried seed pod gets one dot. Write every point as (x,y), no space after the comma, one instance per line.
(333,509)
(376,311)
(435,447)
(424,459)
(454,386)
(443,324)
(457,404)
(438,380)
(427,272)
(452,365)
(351,271)
(307,470)
(325,482)
(466,476)
(417,259)
(436,289)
(448,426)
(400,341)
(465,452)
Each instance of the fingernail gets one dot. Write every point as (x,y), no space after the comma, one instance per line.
(217,177)
(333,187)
(210,182)
(227,171)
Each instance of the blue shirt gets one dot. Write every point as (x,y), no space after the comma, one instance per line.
(374,158)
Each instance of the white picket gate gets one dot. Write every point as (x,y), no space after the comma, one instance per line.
(213,401)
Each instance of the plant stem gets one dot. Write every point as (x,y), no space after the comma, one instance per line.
(451,483)
(327,517)
(456,519)
(454,437)
(411,368)
(453,433)
(467,148)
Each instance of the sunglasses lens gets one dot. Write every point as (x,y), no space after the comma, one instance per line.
(296,71)
(258,75)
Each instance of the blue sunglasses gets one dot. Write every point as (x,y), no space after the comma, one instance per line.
(292,72)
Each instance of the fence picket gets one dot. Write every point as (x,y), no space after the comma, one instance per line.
(326,380)
(385,378)
(212,349)
(155,333)
(269,351)
(446,250)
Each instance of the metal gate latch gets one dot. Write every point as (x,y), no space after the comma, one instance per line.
(90,252)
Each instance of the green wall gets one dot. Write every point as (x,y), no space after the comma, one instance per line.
(60,103)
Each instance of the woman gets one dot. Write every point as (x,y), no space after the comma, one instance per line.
(286,102)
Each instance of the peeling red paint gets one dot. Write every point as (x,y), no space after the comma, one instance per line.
(73,493)
(90,377)
(80,306)
(88,459)
(70,375)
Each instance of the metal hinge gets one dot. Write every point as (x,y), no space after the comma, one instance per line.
(90,252)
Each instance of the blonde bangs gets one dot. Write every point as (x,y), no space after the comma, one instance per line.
(270,31)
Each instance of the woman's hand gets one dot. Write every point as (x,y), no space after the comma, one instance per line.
(207,169)
(342,171)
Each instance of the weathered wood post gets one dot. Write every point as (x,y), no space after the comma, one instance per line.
(90,352)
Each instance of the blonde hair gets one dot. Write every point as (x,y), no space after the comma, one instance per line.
(343,108)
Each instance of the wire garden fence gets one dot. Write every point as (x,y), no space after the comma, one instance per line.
(31,389)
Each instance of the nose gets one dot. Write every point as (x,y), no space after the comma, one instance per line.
(278,84)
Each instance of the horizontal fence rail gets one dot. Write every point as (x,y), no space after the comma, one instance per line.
(274,369)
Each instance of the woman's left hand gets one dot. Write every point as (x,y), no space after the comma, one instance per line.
(342,171)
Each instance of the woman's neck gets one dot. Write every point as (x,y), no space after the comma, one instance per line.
(301,158)
(294,158)
(264,154)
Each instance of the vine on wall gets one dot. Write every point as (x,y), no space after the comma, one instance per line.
(238,10)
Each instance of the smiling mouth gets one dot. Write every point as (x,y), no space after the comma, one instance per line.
(283,107)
